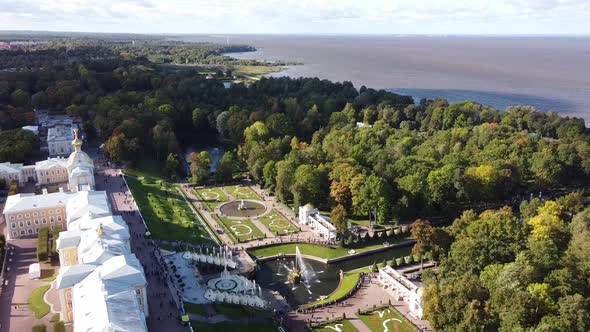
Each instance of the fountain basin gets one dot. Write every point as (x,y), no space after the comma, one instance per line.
(250,209)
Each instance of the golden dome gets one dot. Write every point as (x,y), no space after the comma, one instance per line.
(77,142)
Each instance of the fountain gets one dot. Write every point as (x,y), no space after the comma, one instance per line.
(242,206)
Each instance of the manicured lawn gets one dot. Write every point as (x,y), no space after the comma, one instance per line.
(197,309)
(231,327)
(395,321)
(210,197)
(146,168)
(240,311)
(241,230)
(349,282)
(316,250)
(36,303)
(276,223)
(240,192)
(166,213)
(344,325)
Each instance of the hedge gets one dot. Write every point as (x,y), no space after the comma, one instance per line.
(43,245)
(59,327)
(39,328)
(55,235)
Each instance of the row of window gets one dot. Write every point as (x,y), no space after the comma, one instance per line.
(57,171)
(43,221)
(35,214)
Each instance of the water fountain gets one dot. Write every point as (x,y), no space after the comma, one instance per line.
(242,206)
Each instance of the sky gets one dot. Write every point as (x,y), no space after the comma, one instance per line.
(300,16)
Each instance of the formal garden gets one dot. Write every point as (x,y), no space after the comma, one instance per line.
(343,325)
(166,212)
(278,224)
(210,197)
(239,231)
(241,192)
(386,318)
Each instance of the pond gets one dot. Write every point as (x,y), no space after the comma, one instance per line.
(273,275)
(216,152)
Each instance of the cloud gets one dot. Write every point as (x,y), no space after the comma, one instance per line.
(308,16)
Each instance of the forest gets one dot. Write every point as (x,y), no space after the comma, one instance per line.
(354,153)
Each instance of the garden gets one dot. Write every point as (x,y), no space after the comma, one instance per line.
(241,192)
(210,197)
(278,224)
(165,211)
(386,317)
(342,325)
(240,230)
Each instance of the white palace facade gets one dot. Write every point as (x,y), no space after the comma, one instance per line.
(77,170)
(101,283)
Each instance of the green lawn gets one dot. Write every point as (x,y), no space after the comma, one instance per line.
(166,213)
(241,230)
(277,224)
(316,250)
(231,310)
(197,309)
(241,192)
(349,282)
(344,325)
(231,327)
(396,321)
(146,168)
(210,197)
(36,303)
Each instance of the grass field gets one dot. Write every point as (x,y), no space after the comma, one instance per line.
(240,192)
(210,197)
(392,318)
(36,303)
(319,251)
(344,326)
(197,309)
(348,283)
(231,327)
(233,310)
(166,213)
(242,230)
(277,224)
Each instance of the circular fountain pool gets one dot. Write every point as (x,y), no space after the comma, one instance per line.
(242,209)
(324,279)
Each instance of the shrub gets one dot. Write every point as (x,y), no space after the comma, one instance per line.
(59,327)
(408,259)
(374,267)
(43,244)
(389,233)
(416,258)
(397,231)
(55,235)
(39,328)
(399,261)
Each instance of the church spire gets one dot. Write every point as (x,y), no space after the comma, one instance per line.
(77,143)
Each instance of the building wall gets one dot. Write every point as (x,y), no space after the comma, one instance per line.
(9,177)
(56,174)
(68,256)
(59,148)
(141,293)
(67,308)
(27,223)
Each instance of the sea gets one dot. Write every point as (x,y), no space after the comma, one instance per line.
(547,72)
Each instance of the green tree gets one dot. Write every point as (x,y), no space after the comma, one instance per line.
(225,167)
(200,121)
(338,219)
(200,165)
(172,166)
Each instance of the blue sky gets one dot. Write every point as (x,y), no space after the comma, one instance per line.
(300,16)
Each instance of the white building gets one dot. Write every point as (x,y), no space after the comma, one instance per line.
(410,292)
(77,171)
(58,140)
(321,225)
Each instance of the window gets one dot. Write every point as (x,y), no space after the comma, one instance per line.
(44,220)
(28,215)
(12,218)
(59,218)
(19,216)
(50,211)
(22,232)
(14,234)
(13,225)
(36,230)
(28,223)
(36,221)
(51,220)
(42,213)
(35,214)
(57,211)
(30,231)
(21,224)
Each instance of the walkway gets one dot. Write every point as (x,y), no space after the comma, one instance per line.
(162,297)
